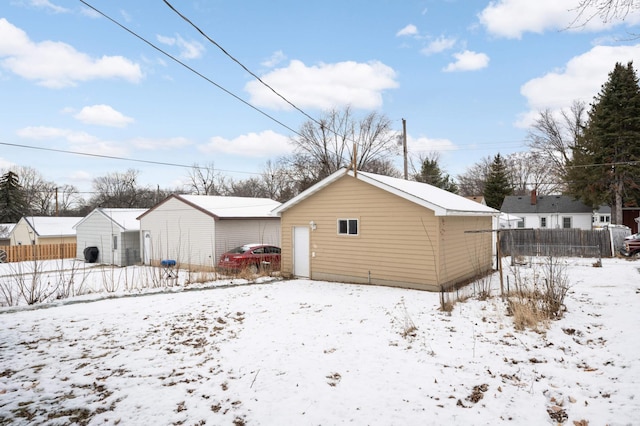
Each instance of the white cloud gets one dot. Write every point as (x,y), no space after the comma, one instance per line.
(468,61)
(275,59)
(103,115)
(580,79)
(324,86)
(188,49)
(438,45)
(263,144)
(78,141)
(512,18)
(46,4)
(56,65)
(163,144)
(422,145)
(409,30)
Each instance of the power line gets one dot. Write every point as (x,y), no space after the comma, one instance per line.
(113,157)
(239,63)
(189,68)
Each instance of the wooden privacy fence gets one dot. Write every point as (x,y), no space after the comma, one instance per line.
(37,252)
(555,242)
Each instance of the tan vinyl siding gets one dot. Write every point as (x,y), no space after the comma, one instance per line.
(45,240)
(399,243)
(22,234)
(397,240)
(465,252)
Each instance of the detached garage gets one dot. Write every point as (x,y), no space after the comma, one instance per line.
(372,229)
(110,236)
(194,230)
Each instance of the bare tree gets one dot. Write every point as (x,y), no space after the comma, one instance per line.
(528,170)
(251,187)
(554,137)
(472,182)
(116,190)
(69,199)
(329,144)
(278,181)
(606,10)
(205,180)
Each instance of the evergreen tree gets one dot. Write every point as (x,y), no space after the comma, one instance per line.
(12,198)
(432,174)
(604,166)
(498,184)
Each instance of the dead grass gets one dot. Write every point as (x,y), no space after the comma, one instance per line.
(527,313)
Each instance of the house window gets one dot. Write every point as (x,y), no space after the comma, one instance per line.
(605,218)
(566,222)
(543,222)
(521,223)
(115,242)
(348,226)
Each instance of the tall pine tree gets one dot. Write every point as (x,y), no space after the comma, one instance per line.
(12,199)
(498,184)
(604,166)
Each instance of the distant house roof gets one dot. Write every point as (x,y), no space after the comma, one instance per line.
(52,226)
(443,203)
(222,207)
(525,204)
(5,230)
(125,219)
(477,198)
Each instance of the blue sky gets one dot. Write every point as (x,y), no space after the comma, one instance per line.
(468,76)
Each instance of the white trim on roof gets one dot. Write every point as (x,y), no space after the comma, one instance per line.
(441,202)
(121,217)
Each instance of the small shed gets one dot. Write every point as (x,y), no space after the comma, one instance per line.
(194,230)
(114,232)
(366,228)
(42,230)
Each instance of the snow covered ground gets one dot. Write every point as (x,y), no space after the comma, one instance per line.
(317,353)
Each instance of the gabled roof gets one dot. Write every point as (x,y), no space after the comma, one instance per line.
(125,219)
(443,203)
(222,207)
(52,226)
(521,204)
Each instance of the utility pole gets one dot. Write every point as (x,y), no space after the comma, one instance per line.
(404,148)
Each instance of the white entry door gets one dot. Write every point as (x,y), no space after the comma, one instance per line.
(146,247)
(301,251)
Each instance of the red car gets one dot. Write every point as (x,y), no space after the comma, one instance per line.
(631,247)
(253,257)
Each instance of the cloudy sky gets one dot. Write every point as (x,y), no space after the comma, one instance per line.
(142,89)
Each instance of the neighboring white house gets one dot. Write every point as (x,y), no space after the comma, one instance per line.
(548,211)
(44,230)
(602,217)
(115,232)
(194,230)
